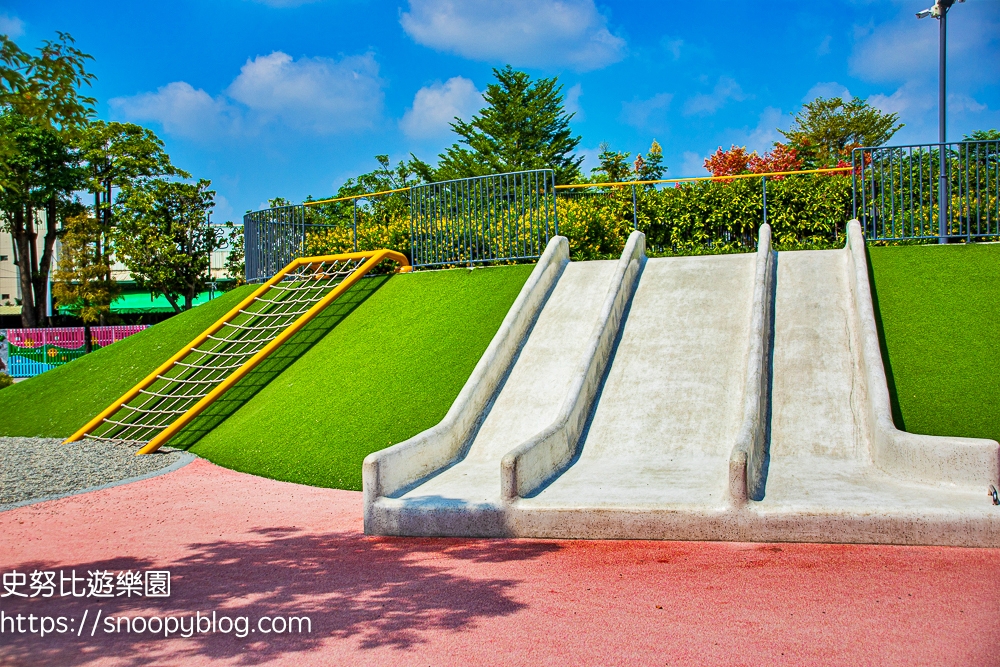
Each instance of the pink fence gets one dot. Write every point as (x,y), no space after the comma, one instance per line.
(70,337)
(28,352)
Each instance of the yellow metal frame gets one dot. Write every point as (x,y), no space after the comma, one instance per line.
(374,258)
(829,170)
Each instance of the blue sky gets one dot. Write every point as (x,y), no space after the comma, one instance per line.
(291,97)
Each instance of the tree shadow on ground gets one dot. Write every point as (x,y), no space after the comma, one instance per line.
(286,355)
(374,592)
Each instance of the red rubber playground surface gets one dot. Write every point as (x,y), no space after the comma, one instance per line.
(244,546)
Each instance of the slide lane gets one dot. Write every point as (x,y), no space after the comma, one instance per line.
(667,417)
(822,459)
(465,497)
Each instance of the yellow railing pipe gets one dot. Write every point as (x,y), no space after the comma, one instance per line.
(364,196)
(292,329)
(375,259)
(704,178)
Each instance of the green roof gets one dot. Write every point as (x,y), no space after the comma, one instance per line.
(144,302)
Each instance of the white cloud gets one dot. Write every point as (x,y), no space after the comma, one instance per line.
(692,164)
(181,109)
(316,94)
(827,89)
(11,26)
(532,33)
(906,49)
(591,159)
(961,103)
(313,95)
(760,138)
(223,210)
(436,106)
(824,46)
(708,103)
(647,114)
(572,102)
(673,46)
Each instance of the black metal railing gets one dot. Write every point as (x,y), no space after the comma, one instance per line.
(947,192)
(484,219)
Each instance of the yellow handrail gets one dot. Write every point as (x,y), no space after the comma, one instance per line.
(364,196)
(704,178)
(374,258)
(617,183)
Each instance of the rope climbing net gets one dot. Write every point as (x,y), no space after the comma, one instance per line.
(191,380)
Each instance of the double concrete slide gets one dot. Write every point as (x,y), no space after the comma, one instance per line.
(722,397)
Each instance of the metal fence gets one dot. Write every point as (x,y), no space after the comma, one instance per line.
(483,219)
(29,352)
(271,239)
(947,192)
(504,217)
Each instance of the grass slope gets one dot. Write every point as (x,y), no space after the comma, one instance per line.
(939,312)
(58,402)
(391,367)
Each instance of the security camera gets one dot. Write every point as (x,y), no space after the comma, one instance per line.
(924,13)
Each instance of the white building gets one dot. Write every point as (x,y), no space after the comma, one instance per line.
(10,284)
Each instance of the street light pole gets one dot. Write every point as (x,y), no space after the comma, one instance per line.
(940,12)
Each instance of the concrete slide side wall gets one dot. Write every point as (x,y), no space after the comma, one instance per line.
(747,461)
(530,464)
(464,498)
(388,471)
(923,458)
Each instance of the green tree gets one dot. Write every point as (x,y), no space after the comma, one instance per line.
(164,237)
(524,126)
(45,88)
(651,167)
(42,113)
(826,130)
(38,174)
(83,282)
(116,155)
(983,135)
(236,259)
(615,168)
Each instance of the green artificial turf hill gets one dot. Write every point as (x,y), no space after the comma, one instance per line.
(390,368)
(58,402)
(939,313)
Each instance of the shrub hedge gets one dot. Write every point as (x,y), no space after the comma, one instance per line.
(805,212)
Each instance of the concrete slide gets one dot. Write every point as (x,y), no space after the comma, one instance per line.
(726,397)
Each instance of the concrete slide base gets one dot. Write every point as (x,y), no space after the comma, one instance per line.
(666,442)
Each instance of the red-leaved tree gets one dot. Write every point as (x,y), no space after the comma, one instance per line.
(728,163)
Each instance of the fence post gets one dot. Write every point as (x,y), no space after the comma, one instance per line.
(354,225)
(942,194)
(635,222)
(763,183)
(4,356)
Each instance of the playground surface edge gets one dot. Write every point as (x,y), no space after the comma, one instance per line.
(247,546)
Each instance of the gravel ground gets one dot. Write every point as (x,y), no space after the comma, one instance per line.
(35,468)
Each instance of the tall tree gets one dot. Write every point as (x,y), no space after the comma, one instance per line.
(83,282)
(43,113)
(524,126)
(164,237)
(614,165)
(826,130)
(38,175)
(45,88)
(116,155)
